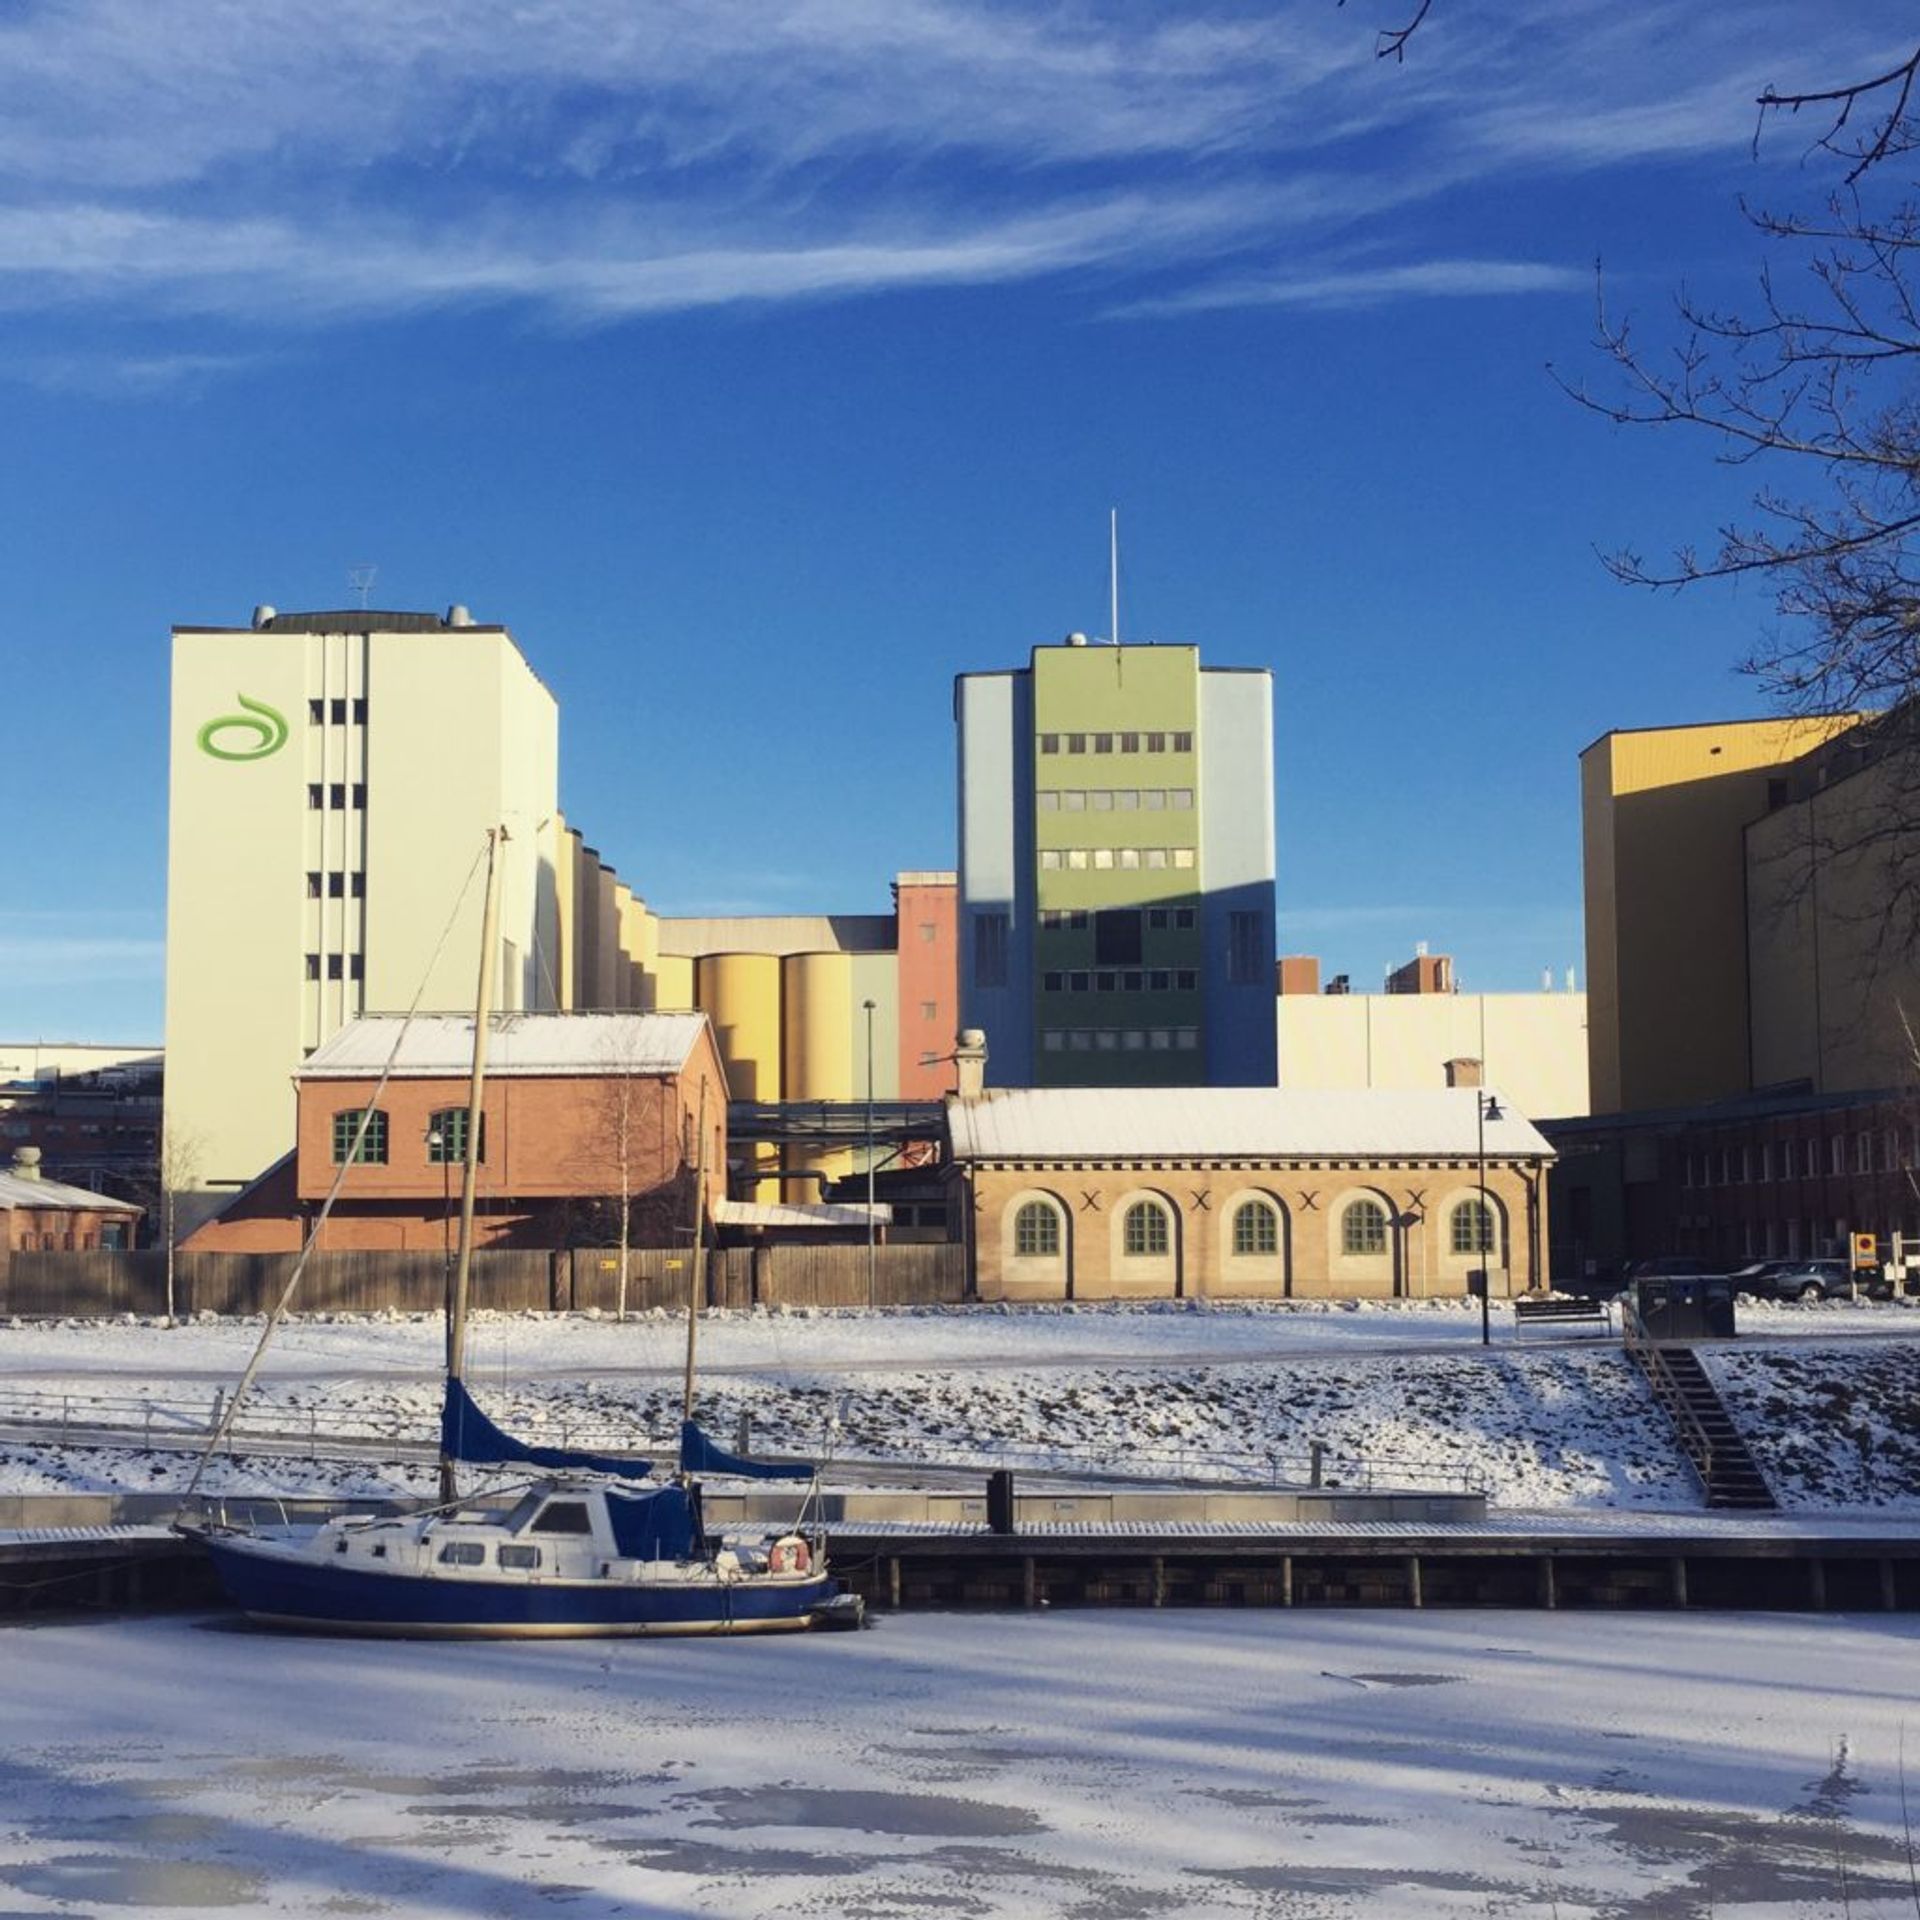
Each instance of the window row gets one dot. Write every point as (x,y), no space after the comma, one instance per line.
(1100,859)
(336,886)
(336,966)
(445,1139)
(1141,980)
(319,712)
(1119,1039)
(1115,800)
(1116,742)
(473,1553)
(336,796)
(1077,919)
(1254,1229)
(1888,1150)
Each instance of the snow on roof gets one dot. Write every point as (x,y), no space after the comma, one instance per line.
(16,1192)
(438,1044)
(796,1213)
(1220,1123)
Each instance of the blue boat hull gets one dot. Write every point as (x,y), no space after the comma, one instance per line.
(281,1590)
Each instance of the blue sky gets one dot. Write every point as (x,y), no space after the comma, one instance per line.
(764,365)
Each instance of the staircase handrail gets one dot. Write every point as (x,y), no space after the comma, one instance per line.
(1660,1376)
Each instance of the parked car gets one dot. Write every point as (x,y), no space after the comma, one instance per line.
(1809,1280)
(1669,1266)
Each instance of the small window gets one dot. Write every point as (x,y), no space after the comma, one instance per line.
(1129,743)
(313,966)
(1363,1229)
(1106,1039)
(1104,982)
(1049,799)
(1183,916)
(928,933)
(1127,799)
(1156,743)
(1186,979)
(1077,860)
(1049,743)
(929,1009)
(1127,858)
(1154,857)
(1103,859)
(1079,982)
(562,1516)
(1144,1232)
(1182,742)
(335,967)
(360,712)
(1079,1040)
(1076,743)
(1053,1041)
(463,1553)
(1183,856)
(447,1137)
(313,886)
(1256,1229)
(1100,800)
(1154,799)
(1156,916)
(1180,799)
(1133,1041)
(1053,982)
(990,932)
(1133,982)
(1073,800)
(338,713)
(522,1559)
(1837,1157)
(357,885)
(1051,860)
(1103,743)
(1036,1230)
(373,1146)
(1077,919)
(1472,1227)
(1186,1038)
(316,712)
(316,798)
(1863,1153)
(1159,980)
(359,794)
(336,886)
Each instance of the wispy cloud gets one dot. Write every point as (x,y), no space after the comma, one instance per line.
(281,161)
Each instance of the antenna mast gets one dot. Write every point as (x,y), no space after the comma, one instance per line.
(1113,572)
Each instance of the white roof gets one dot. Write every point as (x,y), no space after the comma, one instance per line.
(436,1045)
(1233,1123)
(15,1192)
(798,1213)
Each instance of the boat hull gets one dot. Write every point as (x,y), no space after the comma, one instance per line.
(279,1588)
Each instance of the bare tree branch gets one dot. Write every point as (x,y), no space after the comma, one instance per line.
(1888,135)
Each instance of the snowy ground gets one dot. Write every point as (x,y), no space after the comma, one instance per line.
(1829,1394)
(1095,1766)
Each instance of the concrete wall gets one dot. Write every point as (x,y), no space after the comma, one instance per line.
(1534,1044)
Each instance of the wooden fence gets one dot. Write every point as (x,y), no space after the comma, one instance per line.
(92,1285)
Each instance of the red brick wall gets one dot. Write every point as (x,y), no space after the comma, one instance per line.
(929,976)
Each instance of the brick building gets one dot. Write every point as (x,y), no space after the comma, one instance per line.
(47,1216)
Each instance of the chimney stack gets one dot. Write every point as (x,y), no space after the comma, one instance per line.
(26,1163)
(970,1064)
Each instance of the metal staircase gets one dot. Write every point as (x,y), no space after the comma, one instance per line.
(1729,1473)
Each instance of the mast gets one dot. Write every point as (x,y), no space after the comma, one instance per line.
(469,1173)
(1113,573)
(697,1266)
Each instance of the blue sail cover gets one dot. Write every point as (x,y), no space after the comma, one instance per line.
(698,1454)
(654,1526)
(467,1434)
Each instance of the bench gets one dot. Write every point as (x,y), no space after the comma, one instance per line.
(1551,1313)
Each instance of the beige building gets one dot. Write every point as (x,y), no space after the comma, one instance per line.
(333,777)
(1533,1046)
(1245,1192)
(1665,813)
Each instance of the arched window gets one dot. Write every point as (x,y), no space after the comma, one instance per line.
(373,1145)
(1256,1228)
(1145,1234)
(1036,1231)
(1473,1227)
(447,1138)
(1363,1228)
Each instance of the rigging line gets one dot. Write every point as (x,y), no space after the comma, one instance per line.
(225,1424)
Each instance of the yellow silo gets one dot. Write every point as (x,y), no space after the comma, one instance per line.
(817,1050)
(740,994)
(670,987)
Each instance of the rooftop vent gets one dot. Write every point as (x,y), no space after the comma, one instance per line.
(1076,639)
(263,617)
(26,1163)
(459,616)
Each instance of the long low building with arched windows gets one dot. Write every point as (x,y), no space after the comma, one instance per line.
(1072,1193)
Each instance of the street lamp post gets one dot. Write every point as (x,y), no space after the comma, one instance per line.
(1485,1107)
(868,1005)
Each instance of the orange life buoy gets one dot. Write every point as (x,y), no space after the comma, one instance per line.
(789,1555)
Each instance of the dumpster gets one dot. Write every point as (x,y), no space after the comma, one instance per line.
(1685,1307)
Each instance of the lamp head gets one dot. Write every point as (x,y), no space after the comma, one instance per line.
(1491,1107)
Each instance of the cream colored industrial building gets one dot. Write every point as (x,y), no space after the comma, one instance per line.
(1533,1046)
(333,777)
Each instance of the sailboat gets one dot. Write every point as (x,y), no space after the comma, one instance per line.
(589,1545)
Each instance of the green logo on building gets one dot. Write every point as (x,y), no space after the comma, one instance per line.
(265,728)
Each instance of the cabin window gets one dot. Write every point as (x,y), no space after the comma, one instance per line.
(563,1516)
(525,1558)
(464,1553)
(380,1550)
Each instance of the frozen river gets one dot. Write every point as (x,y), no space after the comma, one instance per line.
(1101,1766)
